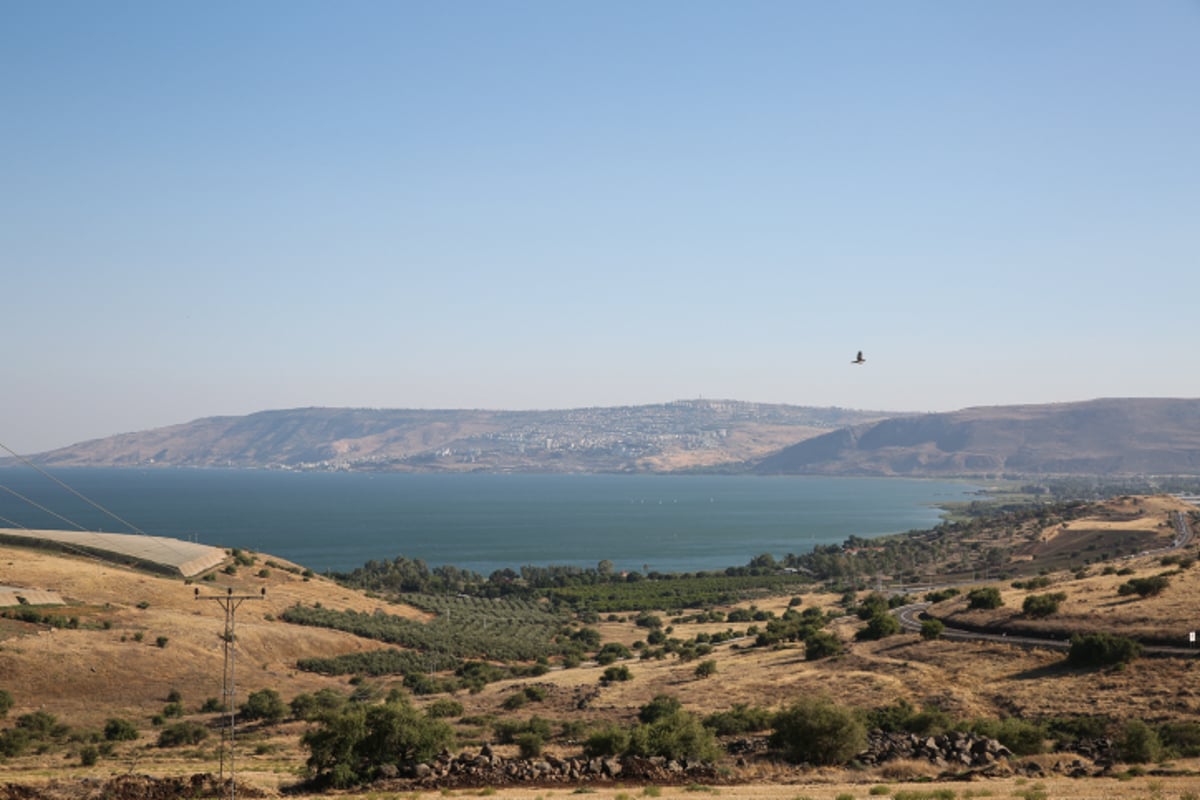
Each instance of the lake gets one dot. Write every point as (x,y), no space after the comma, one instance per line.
(483,522)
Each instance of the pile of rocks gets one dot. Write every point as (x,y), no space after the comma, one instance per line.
(489,769)
(955,749)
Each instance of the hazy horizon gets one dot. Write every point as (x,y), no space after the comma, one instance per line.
(218,209)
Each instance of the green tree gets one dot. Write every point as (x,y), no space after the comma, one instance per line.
(348,747)
(879,626)
(706,669)
(662,705)
(1102,649)
(119,730)
(821,644)
(265,704)
(932,629)
(1139,743)
(677,735)
(817,731)
(986,597)
(1040,606)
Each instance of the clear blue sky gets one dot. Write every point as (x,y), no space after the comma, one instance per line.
(218,208)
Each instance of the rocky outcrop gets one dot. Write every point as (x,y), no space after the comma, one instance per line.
(951,750)
(486,768)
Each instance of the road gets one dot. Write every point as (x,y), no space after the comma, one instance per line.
(910,616)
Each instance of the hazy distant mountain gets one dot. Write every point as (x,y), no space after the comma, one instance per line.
(681,435)
(1098,437)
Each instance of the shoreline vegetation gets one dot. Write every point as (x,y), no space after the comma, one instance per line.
(397,677)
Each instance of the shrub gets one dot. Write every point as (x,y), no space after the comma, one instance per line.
(349,747)
(1102,649)
(611,740)
(986,597)
(706,669)
(6,702)
(161,641)
(173,710)
(89,755)
(514,701)
(941,595)
(1023,737)
(1139,743)
(1040,606)
(818,732)
(311,706)
(932,629)
(1144,587)
(879,626)
(663,705)
(529,744)
(265,704)
(182,733)
(739,720)
(119,730)
(615,675)
(821,644)
(677,735)
(212,705)
(445,707)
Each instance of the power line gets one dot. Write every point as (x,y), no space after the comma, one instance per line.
(82,497)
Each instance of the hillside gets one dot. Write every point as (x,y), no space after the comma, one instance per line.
(142,637)
(687,434)
(1097,437)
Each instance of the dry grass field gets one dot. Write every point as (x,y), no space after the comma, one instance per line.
(112,665)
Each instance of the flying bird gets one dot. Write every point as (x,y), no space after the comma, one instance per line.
(859,359)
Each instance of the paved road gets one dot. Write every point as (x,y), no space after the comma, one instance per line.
(910,615)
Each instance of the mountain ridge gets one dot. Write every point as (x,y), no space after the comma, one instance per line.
(1105,436)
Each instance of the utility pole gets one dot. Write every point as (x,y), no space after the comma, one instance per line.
(230,602)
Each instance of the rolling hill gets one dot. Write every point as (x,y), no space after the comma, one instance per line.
(1097,437)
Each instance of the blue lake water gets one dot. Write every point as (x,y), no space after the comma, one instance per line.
(338,521)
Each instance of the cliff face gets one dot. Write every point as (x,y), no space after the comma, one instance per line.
(1098,437)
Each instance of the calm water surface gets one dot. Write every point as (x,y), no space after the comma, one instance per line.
(338,521)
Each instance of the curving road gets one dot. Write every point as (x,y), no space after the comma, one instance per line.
(910,616)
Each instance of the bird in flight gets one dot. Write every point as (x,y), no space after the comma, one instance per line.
(859,359)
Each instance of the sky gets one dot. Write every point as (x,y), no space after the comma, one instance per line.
(225,207)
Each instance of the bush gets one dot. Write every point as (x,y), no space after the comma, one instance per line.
(706,669)
(1040,606)
(120,730)
(879,626)
(311,706)
(678,735)
(1102,649)
(445,707)
(738,720)
(265,704)
(89,755)
(986,597)
(821,644)
(816,731)
(1139,743)
(350,746)
(529,744)
(615,674)
(182,733)
(1144,587)
(161,641)
(611,740)
(1023,737)
(941,595)
(663,705)
(932,629)
(6,702)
